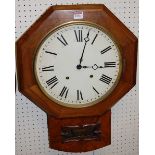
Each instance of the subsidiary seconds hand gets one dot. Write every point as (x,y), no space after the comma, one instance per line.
(81,59)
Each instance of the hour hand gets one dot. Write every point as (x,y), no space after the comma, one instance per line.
(86,66)
(95,67)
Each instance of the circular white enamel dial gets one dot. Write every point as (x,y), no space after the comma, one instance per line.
(77,65)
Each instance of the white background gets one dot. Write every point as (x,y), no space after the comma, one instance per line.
(31,122)
(147,127)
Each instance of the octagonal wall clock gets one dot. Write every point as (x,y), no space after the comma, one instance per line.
(75,62)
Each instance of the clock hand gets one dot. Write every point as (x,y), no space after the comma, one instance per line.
(95,67)
(86,66)
(81,59)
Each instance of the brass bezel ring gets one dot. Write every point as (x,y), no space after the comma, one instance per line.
(88,24)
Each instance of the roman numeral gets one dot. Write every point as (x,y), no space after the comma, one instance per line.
(94,39)
(53,81)
(105,79)
(95,90)
(64,92)
(106,49)
(110,64)
(62,40)
(50,68)
(79,95)
(50,52)
(78,35)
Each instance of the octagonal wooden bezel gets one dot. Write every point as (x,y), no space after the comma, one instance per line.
(56,15)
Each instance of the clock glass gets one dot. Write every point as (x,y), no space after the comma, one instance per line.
(77,64)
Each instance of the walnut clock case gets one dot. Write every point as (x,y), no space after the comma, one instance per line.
(75,62)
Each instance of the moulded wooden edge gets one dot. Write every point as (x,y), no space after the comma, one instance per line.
(38,23)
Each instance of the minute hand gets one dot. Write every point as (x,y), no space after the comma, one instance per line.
(86,40)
